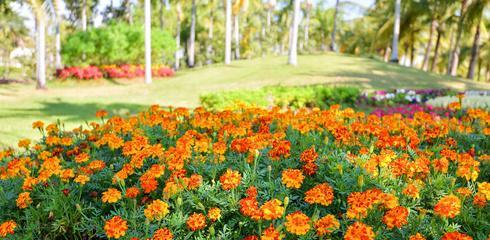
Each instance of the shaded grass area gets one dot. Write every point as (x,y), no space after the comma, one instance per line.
(76,102)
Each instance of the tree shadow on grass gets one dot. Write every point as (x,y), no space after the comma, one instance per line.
(74,112)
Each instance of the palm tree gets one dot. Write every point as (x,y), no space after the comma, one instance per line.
(454,61)
(147,41)
(293,47)
(192,37)
(57,11)
(179,15)
(228,32)
(307,9)
(39,9)
(474,16)
(333,46)
(238,7)
(396,32)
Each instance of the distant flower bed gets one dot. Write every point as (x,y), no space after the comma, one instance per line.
(112,71)
(409,110)
(402,96)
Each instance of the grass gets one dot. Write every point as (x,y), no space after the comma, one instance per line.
(74,103)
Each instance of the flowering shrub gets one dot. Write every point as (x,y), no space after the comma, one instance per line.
(112,71)
(251,174)
(401,96)
(409,110)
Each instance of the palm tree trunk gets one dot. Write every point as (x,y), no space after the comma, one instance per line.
(456,51)
(307,29)
(177,38)
(396,33)
(228,33)
(57,46)
(84,15)
(41,52)
(192,37)
(436,50)
(333,46)
(293,53)
(210,38)
(236,29)
(412,51)
(449,61)
(474,52)
(148,41)
(386,54)
(487,74)
(425,63)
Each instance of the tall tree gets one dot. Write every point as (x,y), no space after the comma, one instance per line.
(192,37)
(179,15)
(228,32)
(474,17)
(38,7)
(58,18)
(293,47)
(148,42)
(454,61)
(396,32)
(333,46)
(307,10)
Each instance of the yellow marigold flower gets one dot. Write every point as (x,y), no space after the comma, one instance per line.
(448,206)
(326,225)
(163,234)
(156,210)
(292,178)
(112,195)
(417,236)
(115,227)
(359,231)
(411,190)
(484,188)
(321,194)
(272,210)
(7,228)
(214,214)
(396,217)
(464,191)
(82,179)
(196,221)
(230,179)
(24,200)
(297,223)
(82,157)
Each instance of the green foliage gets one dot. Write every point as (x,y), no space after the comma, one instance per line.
(295,97)
(116,44)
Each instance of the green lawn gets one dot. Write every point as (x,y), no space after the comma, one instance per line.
(75,103)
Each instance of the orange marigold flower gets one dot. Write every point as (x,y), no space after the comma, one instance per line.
(272,209)
(82,157)
(230,179)
(156,210)
(132,192)
(163,234)
(326,225)
(297,223)
(195,181)
(309,155)
(359,231)
(411,190)
(417,236)
(82,179)
(24,143)
(251,237)
(456,236)
(112,195)
(270,233)
(321,194)
(196,221)
(101,113)
(24,200)
(448,206)
(214,214)
(115,227)
(38,124)
(396,217)
(7,227)
(292,178)
(479,200)
(464,191)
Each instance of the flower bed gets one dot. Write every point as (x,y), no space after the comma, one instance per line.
(112,71)
(409,110)
(402,96)
(250,174)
